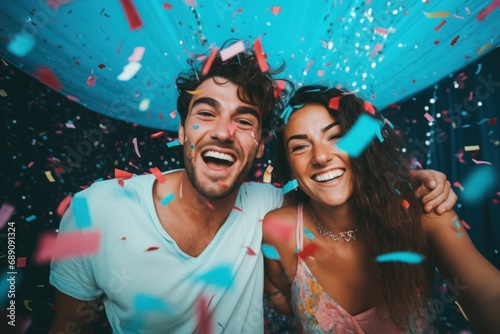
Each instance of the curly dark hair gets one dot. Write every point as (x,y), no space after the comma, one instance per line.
(381,181)
(254,86)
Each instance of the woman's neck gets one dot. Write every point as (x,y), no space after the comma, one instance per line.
(335,218)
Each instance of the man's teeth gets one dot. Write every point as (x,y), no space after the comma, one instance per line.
(218,155)
(329,176)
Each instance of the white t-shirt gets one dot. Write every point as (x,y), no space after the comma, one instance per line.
(148,284)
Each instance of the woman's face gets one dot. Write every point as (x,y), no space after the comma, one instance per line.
(322,171)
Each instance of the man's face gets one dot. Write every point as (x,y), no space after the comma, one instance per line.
(221,138)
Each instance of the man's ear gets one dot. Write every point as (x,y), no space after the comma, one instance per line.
(260,149)
(181,134)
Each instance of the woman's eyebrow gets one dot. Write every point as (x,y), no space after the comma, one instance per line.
(329,126)
(300,136)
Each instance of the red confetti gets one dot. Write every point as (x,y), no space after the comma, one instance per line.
(250,251)
(492,121)
(308,251)
(157,135)
(63,205)
(121,174)
(405,204)
(167,6)
(121,183)
(369,108)
(209,61)
(21,262)
(280,85)
(123,238)
(279,230)
(440,25)
(334,102)
(132,15)
(257,46)
(52,246)
(204,321)
(45,75)
(237,209)
(454,40)
(153,248)
(276,10)
(101,66)
(157,173)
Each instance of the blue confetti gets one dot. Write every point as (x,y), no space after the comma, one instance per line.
(460,234)
(192,146)
(484,120)
(407,257)
(309,234)
(30,218)
(146,303)
(478,184)
(196,126)
(270,252)
(292,184)
(220,276)
(479,66)
(285,115)
(81,210)
(359,136)
(173,143)
(21,44)
(380,137)
(167,199)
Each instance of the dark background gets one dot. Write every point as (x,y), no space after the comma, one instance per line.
(34,139)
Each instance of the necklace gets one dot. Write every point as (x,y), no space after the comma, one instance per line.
(347,235)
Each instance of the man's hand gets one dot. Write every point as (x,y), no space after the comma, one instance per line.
(435,191)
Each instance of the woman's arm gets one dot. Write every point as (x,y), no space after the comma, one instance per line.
(474,281)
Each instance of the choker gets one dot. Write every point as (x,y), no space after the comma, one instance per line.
(347,235)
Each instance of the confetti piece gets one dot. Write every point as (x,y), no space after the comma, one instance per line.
(471,148)
(129,71)
(147,303)
(359,136)
(478,162)
(464,223)
(204,317)
(405,204)
(49,176)
(477,184)
(250,251)
(121,183)
(285,115)
(121,174)
(440,25)
(378,47)
(232,50)
(45,75)
(429,118)
(237,208)
(167,6)
(219,276)
(135,147)
(167,199)
(209,61)
(30,218)
(259,53)
(63,205)
(308,251)
(434,15)
(195,92)
(270,252)
(21,44)
(61,246)
(91,80)
(485,12)
(196,126)
(290,185)
(70,125)
(407,257)
(21,262)
(137,54)
(458,185)
(173,114)
(173,143)
(157,135)
(152,249)
(6,212)
(484,48)
(81,212)
(309,234)
(479,66)
(144,104)
(267,174)
(369,108)
(232,127)
(276,10)
(3,93)
(454,40)
(492,121)
(158,174)
(132,15)
(334,102)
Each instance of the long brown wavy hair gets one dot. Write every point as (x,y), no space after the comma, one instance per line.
(381,181)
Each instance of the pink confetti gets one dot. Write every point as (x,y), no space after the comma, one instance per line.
(167,6)
(52,246)
(209,62)
(250,251)
(321,73)
(158,174)
(237,209)
(21,262)
(465,224)
(276,10)
(63,205)
(405,204)
(378,47)
(132,15)
(259,53)
(381,31)
(91,80)
(137,54)
(173,114)
(6,212)
(70,125)
(232,127)
(45,75)
(478,162)
(135,147)
(204,317)
(368,107)
(72,98)
(429,117)
(279,230)
(232,50)
(485,12)
(458,185)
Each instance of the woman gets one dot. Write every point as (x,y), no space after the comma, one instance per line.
(353,210)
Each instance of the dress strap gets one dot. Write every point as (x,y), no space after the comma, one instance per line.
(299,233)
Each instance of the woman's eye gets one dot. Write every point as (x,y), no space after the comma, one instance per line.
(337,136)
(298,147)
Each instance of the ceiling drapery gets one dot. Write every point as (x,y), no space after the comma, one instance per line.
(121,57)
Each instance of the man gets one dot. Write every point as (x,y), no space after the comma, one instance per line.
(183,256)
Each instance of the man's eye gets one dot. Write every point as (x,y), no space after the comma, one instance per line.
(205,113)
(244,122)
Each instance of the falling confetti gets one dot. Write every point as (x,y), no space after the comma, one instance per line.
(259,53)
(66,245)
(434,15)
(485,12)
(270,252)
(477,184)
(167,199)
(290,185)
(406,257)
(219,276)
(209,61)
(359,136)
(133,18)
(81,212)
(6,212)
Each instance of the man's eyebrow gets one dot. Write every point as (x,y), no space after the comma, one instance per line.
(329,126)
(248,110)
(206,100)
(296,137)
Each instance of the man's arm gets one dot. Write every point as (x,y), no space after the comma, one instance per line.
(73,315)
(435,191)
